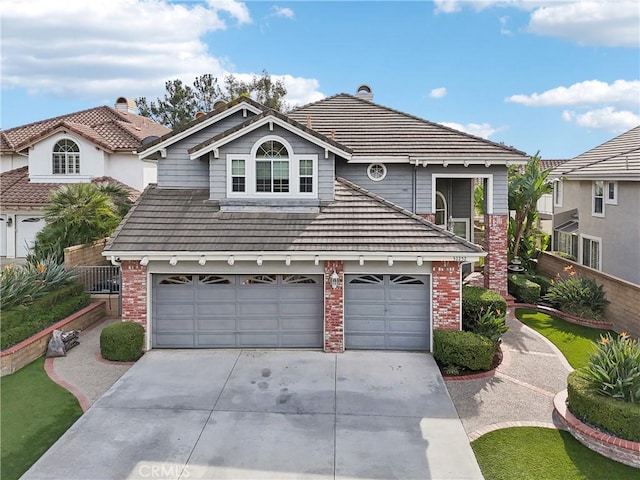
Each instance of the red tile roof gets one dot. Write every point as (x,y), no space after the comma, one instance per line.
(108,128)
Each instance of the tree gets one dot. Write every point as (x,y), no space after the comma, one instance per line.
(80,213)
(181,102)
(525,189)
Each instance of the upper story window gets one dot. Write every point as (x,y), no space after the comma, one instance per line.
(66,158)
(557,193)
(272,170)
(611,192)
(598,199)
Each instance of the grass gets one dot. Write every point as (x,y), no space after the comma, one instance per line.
(34,413)
(574,341)
(536,453)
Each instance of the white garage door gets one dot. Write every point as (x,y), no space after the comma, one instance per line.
(26,229)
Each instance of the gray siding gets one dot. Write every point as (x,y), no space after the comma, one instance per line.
(397,186)
(244,144)
(177,170)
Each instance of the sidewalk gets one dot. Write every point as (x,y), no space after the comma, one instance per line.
(519,393)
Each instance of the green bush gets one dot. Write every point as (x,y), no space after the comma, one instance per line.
(523,289)
(606,413)
(491,325)
(579,296)
(544,282)
(22,322)
(614,368)
(122,341)
(476,300)
(452,348)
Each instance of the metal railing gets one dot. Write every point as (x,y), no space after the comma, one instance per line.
(102,279)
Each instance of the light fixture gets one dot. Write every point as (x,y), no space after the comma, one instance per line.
(10,222)
(335,280)
(316,260)
(287,260)
(361,260)
(419,261)
(231,260)
(173,260)
(259,260)
(144,261)
(390,261)
(203,260)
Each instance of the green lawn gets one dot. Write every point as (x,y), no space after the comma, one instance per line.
(542,453)
(34,413)
(574,341)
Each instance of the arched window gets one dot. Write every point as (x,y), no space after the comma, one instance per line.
(272,167)
(66,158)
(441,210)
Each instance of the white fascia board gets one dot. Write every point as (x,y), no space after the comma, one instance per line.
(466,161)
(379,159)
(265,121)
(298,256)
(196,128)
(604,177)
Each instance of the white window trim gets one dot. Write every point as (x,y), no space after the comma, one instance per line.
(558,193)
(250,173)
(593,199)
(384,172)
(66,173)
(446,209)
(597,240)
(467,223)
(614,200)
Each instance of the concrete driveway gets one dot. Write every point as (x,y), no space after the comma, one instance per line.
(265,414)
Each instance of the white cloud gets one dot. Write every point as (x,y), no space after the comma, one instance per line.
(607,118)
(483,130)
(503,26)
(282,12)
(438,92)
(75,48)
(590,92)
(585,22)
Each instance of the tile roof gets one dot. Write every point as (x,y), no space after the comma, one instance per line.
(17,191)
(618,158)
(109,128)
(374,130)
(167,220)
(552,163)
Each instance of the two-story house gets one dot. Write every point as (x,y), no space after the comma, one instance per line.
(597,207)
(83,146)
(343,224)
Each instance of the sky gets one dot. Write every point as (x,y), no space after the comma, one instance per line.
(555,77)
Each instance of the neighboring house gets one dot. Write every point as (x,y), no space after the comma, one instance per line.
(597,207)
(318,228)
(97,143)
(545,204)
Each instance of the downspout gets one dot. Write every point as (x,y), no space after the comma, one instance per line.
(414,189)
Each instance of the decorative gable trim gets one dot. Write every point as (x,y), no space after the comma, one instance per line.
(196,126)
(268,119)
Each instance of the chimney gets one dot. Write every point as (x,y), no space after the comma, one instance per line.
(364,92)
(126,105)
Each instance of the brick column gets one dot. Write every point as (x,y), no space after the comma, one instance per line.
(134,292)
(446,295)
(333,308)
(495,263)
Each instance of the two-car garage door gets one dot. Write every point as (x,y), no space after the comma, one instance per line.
(225,311)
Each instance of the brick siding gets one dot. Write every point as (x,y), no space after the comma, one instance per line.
(333,308)
(134,292)
(446,295)
(495,265)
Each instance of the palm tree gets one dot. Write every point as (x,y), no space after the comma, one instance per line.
(525,189)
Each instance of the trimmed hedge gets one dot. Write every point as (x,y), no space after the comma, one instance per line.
(122,341)
(476,300)
(22,322)
(544,282)
(463,349)
(523,289)
(606,413)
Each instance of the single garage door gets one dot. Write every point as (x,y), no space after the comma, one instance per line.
(227,311)
(387,312)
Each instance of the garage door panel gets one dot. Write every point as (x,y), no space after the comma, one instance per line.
(363,309)
(176,294)
(259,339)
(362,293)
(249,309)
(366,325)
(258,323)
(407,342)
(408,326)
(369,342)
(406,294)
(174,340)
(215,309)
(299,323)
(216,293)
(178,310)
(175,324)
(406,310)
(301,309)
(301,339)
(257,294)
(218,340)
(216,325)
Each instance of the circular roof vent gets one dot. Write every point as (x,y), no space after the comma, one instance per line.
(364,92)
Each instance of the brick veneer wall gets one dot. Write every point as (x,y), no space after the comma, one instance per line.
(446,295)
(87,254)
(495,264)
(333,308)
(623,310)
(14,358)
(134,292)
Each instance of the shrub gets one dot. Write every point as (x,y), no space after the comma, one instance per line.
(476,300)
(22,322)
(460,349)
(122,341)
(491,325)
(606,413)
(579,296)
(544,282)
(523,289)
(614,368)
